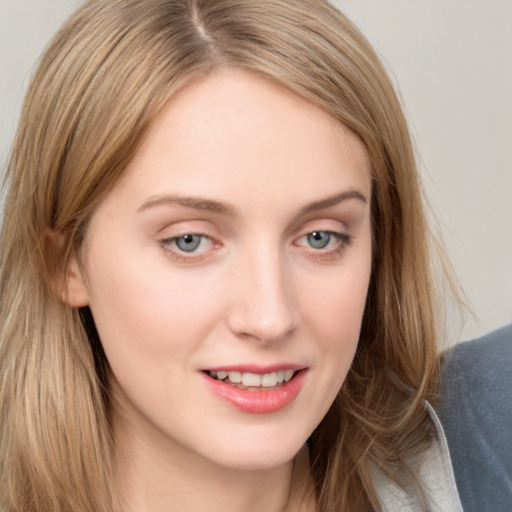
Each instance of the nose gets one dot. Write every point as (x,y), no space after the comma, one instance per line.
(263,298)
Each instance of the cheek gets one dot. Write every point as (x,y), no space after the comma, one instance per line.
(333,316)
(336,322)
(149,315)
(336,308)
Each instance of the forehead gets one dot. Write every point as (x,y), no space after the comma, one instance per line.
(233,133)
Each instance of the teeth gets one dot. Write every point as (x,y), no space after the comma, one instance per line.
(288,374)
(269,380)
(251,380)
(234,377)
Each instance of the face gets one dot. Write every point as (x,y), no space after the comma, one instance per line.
(227,272)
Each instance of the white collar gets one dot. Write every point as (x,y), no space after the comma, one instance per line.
(435,475)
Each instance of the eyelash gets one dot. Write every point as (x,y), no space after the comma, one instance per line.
(343,240)
(169,245)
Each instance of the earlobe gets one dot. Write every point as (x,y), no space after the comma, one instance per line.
(75,291)
(67,281)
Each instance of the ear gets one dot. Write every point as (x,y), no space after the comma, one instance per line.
(67,280)
(75,291)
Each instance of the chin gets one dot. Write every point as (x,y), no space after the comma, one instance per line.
(249,461)
(256,452)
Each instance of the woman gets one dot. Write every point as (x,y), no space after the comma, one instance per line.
(216,288)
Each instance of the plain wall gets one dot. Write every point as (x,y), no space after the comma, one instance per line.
(452,61)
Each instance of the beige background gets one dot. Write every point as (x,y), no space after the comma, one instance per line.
(452,61)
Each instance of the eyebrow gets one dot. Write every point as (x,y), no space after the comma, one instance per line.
(331,201)
(196,203)
(209,205)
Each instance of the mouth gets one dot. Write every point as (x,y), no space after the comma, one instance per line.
(253,381)
(253,389)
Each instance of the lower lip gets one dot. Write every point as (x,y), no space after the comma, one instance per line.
(258,402)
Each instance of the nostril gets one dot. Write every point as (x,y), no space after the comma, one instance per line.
(262,306)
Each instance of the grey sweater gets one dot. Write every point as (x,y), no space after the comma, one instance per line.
(476,413)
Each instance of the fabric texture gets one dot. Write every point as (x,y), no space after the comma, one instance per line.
(434,474)
(476,414)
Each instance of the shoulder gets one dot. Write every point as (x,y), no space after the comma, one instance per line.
(476,381)
(476,412)
(434,490)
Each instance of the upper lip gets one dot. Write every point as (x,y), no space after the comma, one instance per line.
(254,368)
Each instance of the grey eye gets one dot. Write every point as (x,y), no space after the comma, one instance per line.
(319,239)
(188,243)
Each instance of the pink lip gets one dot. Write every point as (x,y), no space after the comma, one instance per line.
(254,368)
(258,402)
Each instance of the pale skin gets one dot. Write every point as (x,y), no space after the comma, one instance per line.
(240,234)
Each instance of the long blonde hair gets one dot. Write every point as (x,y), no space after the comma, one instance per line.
(99,85)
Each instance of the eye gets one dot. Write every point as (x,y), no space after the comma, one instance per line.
(188,247)
(324,240)
(319,239)
(188,243)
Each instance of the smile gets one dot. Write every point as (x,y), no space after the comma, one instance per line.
(251,392)
(247,380)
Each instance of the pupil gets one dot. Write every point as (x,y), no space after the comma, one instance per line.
(319,239)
